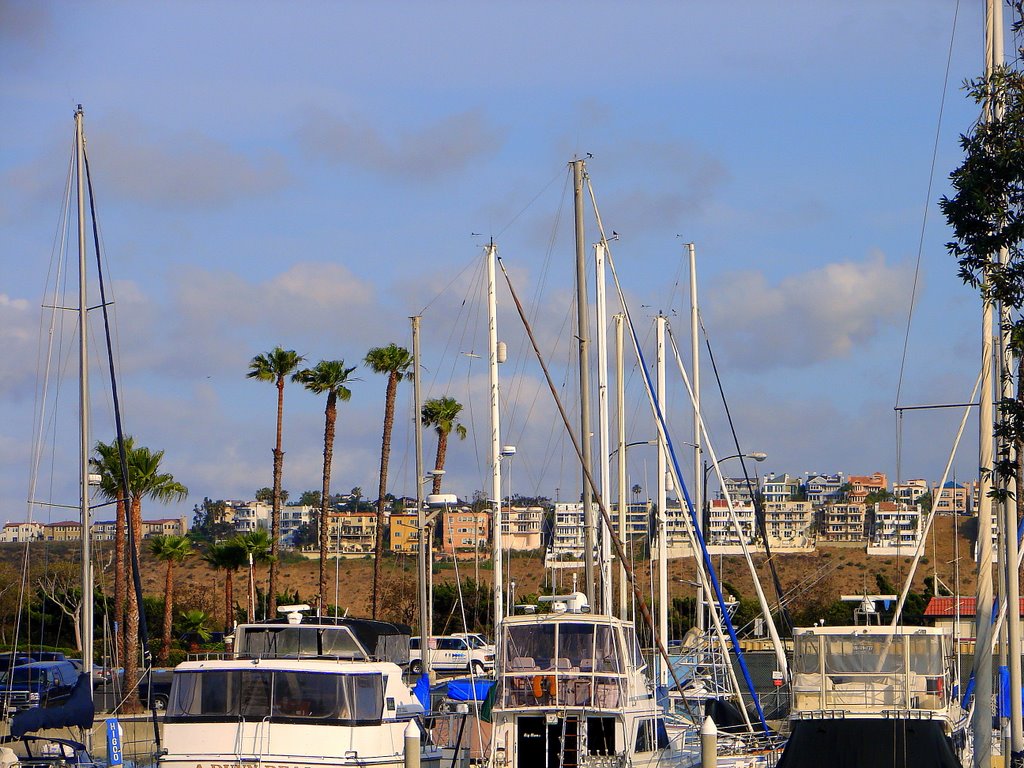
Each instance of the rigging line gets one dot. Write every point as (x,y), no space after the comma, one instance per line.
(616,542)
(935,506)
(759,515)
(927,205)
(147,656)
(452,282)
(708,576)
(526,207)
(59,246)
(762,600)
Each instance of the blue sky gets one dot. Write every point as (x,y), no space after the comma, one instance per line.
(310,174)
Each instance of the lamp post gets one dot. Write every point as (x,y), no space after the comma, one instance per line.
(508,452)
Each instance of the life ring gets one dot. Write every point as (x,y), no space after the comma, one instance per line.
(538,685)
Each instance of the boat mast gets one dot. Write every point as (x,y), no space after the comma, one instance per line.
(583,327)
(1010,556)
(620,410)
(603,429)
(422,560)
(981,719)
(83,394)
(662,503)
(492,361)
(698,481)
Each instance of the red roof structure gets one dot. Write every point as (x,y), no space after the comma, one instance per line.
(947,606)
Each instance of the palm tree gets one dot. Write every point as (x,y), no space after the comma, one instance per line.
(145,481)
(394,361)
(107,464)
(170,549)
(328,376)
(195,626)
(257,546)
(275,366)
(442,413)
(229,556)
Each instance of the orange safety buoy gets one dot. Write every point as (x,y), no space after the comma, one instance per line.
(538,685)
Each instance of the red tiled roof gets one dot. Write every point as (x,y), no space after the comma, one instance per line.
(946,606)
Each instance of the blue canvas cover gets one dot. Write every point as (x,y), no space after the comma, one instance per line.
(469,690)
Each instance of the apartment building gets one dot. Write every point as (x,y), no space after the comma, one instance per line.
(776,488)
(464,533)
(789,524)
(19,533)
(720,529)
(865,484)
(167,526)
(522,528)
(910,491)
(822,489)
(405,533)
(951,499)
(842,522)
(351,533)
(251,515)
(567,536)
(739,490)
(294,517)
(895,528)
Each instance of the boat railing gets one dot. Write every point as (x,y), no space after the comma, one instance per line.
(867,692)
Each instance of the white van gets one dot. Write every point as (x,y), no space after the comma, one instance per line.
(452,653)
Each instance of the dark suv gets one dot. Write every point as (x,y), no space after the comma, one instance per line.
(39,684)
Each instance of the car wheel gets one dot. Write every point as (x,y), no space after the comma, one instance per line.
(477,668)
(416,666)
(160,702)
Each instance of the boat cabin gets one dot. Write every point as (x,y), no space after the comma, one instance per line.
(871,670)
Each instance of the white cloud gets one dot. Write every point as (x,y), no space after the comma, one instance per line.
(805,318)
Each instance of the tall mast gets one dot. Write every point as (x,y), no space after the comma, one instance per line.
(603,430)
(83,395)
(620,410)
(423,559)
(583,328)
(1010,567)
(492,361)
(698,479)
(981,720)
(662,503)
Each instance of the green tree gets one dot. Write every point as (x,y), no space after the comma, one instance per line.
(106,462)
(275,366)
(228,556)
(146,480)
(875,497)
(393,361)
(265,495)
(209,521)
(310,498)
(258,549)
(986,214)
(925,502)
(328,377)
(442,414)
(195,626)
(169,549)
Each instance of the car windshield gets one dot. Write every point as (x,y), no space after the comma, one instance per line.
(475,641)
(22,675)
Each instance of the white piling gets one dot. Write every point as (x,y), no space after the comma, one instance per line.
(708,744)
(412,745)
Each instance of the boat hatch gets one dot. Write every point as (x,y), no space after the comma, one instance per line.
(255,694)
(860,670)
(563,664)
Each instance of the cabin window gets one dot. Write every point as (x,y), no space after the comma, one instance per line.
(257,694)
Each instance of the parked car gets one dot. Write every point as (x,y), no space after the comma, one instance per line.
(100,675)
(156,684)
(39,684)
(451,653)
(47,656)
(476,640)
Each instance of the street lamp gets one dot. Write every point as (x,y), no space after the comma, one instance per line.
(758,456)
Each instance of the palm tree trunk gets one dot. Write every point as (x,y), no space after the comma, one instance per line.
(385,456)
(131,639)
(120,579)
(330,416)
(275,517)
(165,646)
(229,601)
(442,452)
(251,605)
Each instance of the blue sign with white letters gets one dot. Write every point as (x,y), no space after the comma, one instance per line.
(115,744)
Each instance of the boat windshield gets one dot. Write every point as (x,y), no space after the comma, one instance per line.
(566,663)
(256,694)
(298,642)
